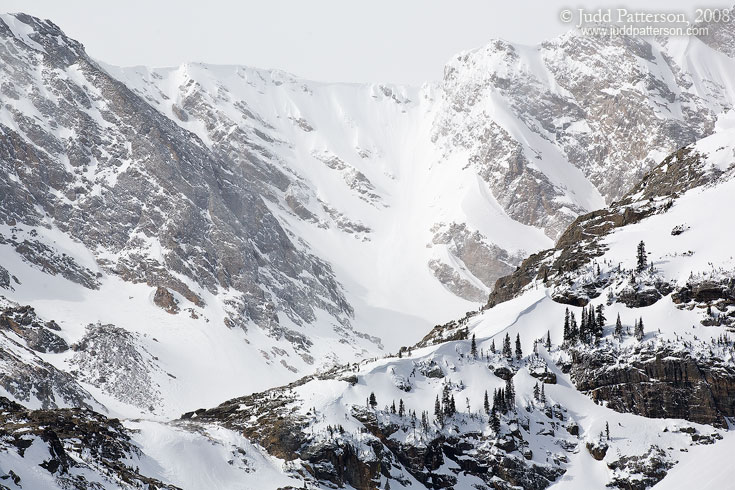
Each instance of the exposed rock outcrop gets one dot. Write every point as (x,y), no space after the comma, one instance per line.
(658,383)
(166,300)
(81,446)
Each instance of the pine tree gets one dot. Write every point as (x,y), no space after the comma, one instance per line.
(393,407)
(641,259)
(373,401)
(519,352)
(492,346)
(473,347)
(583,334)
(507,352)
(445,400)
(510,394)
(573,330)
(639,330)
(607,431)
(486,404)
(591,319)
(567,331)
(401,408)
(387,484)
(548,341)
(601,320)
(542,396)
(536,392)
(494,420)
(619,328)
(438,409)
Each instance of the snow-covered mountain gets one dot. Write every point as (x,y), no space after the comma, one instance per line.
(171,238)
(595,403)
(461,179)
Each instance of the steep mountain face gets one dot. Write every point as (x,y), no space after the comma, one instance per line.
(617,400)
(684,367)
(172,238)
(134,196)
(559,129)
(533,136)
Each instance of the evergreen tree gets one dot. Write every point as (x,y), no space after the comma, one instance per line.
(494,420)
(591,318)
(641,259)
(373,400)
(401,408)
(548,341)
(519,352)
(438,409)
(583,334)
(639,330)
(607,431)
(510,394)
(567,331)
(573,330)
(492,346)
(486,404)
(445,399)
(601,320)
(536,392)
(473,347)
(387,484)
(619,328)
(507,352)
(542,396)
(393,407)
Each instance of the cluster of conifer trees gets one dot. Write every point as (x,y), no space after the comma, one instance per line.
(590,328)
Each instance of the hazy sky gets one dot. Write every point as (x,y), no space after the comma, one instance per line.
(401,41)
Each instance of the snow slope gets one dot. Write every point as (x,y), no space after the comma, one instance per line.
(665,452)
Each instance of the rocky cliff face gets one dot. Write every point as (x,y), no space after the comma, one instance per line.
(524,118)
(541,134)
(679,376)
(660,383)
(372,446)
(70,448)
(82,154)
(25,375)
